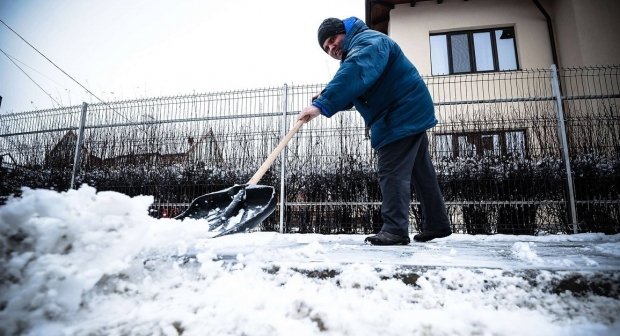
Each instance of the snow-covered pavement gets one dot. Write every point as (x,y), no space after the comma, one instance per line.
(583,252)
(88,263)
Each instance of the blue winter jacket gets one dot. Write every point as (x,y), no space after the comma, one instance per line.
(383,85)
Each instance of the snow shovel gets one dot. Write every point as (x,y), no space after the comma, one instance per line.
(242,206)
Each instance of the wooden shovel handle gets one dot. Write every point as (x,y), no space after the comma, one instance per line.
(272,157)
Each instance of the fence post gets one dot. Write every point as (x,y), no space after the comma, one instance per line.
(555,84)
(78,145)
(283,158)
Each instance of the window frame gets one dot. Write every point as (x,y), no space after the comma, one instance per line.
(472,50)
(455,150)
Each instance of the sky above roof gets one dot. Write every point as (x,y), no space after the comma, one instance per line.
(132,49)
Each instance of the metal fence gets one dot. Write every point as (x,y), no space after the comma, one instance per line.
(519,152)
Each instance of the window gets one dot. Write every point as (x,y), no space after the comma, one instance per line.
(480,144)
(473,51)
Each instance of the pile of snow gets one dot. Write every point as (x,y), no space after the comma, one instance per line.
(87,262)
(523,251)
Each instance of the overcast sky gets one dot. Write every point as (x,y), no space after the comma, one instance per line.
(121,49)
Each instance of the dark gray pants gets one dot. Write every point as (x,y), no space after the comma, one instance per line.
(404,164)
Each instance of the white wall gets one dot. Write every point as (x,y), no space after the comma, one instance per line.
(587,31)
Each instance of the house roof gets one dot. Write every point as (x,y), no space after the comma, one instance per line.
(378,12)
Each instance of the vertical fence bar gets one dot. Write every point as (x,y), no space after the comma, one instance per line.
(555,84)
(78,145)
(283,159)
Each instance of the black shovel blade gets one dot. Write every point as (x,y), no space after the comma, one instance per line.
(236,209)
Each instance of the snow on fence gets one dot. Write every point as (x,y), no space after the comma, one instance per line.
(518,152)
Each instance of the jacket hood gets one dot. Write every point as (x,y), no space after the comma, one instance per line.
(352,27)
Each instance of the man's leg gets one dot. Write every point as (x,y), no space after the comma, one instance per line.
(396,161)
(436,223)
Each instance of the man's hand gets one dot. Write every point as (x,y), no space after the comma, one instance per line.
(309,113)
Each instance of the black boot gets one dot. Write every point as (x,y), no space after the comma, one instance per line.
(386,238)
(430,235)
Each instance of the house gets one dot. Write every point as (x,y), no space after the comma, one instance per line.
(62,154)
(478,51)
(205,149)
(468,36)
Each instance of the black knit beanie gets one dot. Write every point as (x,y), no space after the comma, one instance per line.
(328,28)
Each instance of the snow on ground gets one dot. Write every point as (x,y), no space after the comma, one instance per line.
(94,263)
